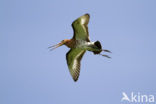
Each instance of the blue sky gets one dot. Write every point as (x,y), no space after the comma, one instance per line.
(31,74)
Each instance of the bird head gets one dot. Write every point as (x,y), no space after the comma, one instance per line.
(63,42)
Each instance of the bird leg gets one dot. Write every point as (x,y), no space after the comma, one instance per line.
(105,50)
(105,55)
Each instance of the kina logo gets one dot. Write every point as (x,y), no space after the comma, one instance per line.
(137,98)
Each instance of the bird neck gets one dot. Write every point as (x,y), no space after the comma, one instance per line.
(69,43)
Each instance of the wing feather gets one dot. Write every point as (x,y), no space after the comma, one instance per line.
(73,58)
(80,27)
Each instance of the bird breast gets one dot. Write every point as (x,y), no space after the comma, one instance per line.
(78,44)
(85,45)
(81,44)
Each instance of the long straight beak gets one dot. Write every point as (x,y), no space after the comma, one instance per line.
(55,46)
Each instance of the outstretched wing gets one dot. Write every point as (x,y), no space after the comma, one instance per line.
(73,58)
(80,27)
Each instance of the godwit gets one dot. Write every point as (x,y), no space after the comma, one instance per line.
(78,45)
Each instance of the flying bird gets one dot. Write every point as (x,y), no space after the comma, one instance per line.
(79,44)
